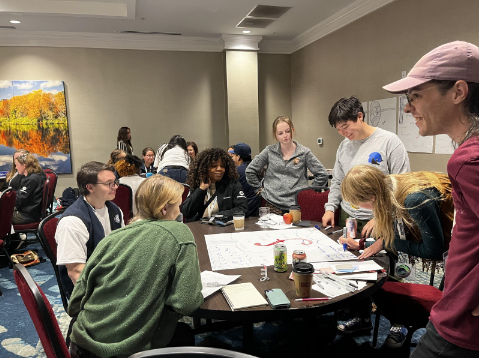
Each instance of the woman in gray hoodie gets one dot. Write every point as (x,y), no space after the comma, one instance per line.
(288,163)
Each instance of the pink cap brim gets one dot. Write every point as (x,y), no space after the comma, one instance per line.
(404,84)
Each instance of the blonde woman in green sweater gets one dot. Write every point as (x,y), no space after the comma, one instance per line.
(138,281)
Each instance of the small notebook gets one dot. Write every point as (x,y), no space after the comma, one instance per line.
(243,295)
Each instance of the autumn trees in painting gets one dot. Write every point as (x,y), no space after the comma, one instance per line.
(33,116)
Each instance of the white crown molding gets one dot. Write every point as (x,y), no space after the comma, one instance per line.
(241,42)
(109,41)
(345,16)
(342,18)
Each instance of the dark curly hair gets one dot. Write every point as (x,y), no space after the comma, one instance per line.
(199,168)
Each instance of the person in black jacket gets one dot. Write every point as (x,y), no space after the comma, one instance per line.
(214,187)
(28,205)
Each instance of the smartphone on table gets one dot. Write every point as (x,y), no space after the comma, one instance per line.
(277,299)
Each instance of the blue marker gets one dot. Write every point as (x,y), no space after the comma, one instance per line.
(317,227)
(345,235)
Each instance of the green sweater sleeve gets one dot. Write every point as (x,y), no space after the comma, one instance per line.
(424,210)
(185,295)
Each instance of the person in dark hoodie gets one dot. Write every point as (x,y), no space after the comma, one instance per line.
(242,157)
(28,205)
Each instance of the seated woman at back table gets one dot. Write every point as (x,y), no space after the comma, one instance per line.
(148,159)
(214,187)
(414,213)
(128,169)
(174,160)
(192,150)
(13,178)
(288,162)
(138,281)
(28,205)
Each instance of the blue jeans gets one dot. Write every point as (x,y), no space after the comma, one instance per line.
(178,174)
(433,345)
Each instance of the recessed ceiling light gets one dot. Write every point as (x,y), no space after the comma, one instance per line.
(246,31)
(14,22)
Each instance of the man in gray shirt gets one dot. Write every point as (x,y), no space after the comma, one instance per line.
(363,144)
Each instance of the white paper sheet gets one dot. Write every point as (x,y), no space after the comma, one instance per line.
(255,248)
(409,133)
(213,281)
(365,276)
(362,266)
(383,113)
(443,144)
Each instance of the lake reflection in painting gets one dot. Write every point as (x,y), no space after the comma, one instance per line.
(33,117)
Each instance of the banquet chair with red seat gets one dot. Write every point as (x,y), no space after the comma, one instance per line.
(41,313)
(312,200)
(7,206)
(124,200)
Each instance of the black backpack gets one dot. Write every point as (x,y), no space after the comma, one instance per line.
(69,196)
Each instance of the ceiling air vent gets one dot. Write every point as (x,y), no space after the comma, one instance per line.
(254,23)
(151,33)
(8,27)
(266,11)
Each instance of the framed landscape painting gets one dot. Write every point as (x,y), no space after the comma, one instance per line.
(33,116)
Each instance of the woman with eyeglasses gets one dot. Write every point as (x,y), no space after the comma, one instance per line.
(139,281)
(129,170)
(148,159)
(28,205)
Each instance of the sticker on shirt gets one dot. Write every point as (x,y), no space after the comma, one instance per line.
(24,189)
(241,195)
(117,218)
(296,161)
(375,158)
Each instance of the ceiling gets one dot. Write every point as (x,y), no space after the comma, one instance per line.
(200,22)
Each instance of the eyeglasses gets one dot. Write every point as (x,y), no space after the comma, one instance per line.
(112,184)
(411,97)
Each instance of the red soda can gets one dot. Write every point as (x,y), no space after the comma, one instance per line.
(299,256)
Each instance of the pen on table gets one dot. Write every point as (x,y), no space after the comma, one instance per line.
(317,227)
(345,235)
(313,299)
(328,227)
(334,232)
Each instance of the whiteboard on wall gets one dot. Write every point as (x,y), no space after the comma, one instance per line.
(409,133)
(444,144)
(383,113)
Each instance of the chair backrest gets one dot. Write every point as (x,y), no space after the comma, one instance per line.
(46,188)
(47,230)
(185,192)
(7,206)
(312,202)
(52,185)
(124,200)
(181,352)
(41,313)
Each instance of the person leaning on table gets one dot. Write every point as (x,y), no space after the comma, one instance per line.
(139,281)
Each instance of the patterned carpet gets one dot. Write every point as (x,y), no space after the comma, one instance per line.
(18,337)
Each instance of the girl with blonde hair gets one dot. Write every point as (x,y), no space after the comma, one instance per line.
(416,205)
(150,270)
(414,213)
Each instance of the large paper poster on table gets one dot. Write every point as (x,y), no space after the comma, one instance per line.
(250,249)
(33,116)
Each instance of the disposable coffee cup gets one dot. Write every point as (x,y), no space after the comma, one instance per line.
(238,221)
(303,279)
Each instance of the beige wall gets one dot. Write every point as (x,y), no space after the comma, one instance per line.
(364,56)
(155,93)
(274,85)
